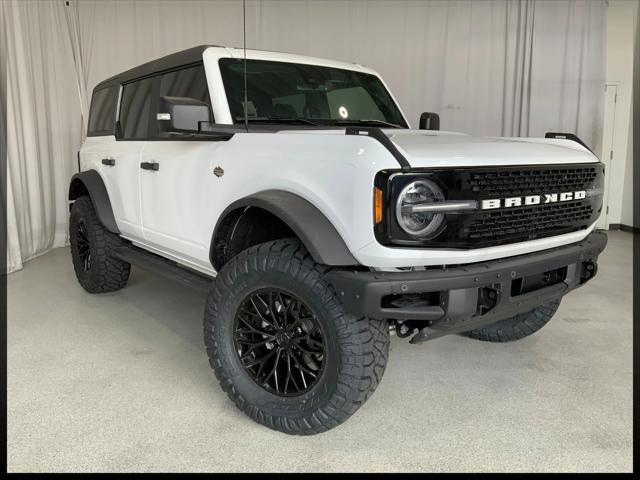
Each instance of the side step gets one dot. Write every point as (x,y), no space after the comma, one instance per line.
(165,267)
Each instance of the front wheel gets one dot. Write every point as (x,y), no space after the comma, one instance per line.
(518,326)
(282,346)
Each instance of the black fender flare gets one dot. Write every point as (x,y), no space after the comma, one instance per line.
(91,182)
(314,230)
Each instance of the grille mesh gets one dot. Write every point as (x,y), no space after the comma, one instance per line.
(521,182)
(531,220)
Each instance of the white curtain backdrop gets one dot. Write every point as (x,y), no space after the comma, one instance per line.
(499,67)
(3,146)
(43,127)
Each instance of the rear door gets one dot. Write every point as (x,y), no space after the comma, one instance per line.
(97,150)
(122,173)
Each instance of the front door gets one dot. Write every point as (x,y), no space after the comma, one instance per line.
(176,186)
(176,174)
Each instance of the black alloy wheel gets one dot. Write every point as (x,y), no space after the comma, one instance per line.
(279,342)
(82,242)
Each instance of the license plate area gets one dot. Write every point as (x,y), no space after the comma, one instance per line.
(536,281)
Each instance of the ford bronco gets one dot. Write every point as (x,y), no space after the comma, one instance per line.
(293,191)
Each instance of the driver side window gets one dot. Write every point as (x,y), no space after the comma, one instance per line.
(187,83)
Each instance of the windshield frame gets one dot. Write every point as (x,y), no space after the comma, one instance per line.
(322,123)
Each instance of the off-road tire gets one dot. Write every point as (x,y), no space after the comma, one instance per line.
(106,273)
(517,327)
(357,347)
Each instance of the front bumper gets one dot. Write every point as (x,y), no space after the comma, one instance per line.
(462,298)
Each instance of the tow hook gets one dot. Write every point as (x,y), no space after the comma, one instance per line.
(405,328)
(589,269)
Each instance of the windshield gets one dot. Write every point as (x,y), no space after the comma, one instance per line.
(307,94)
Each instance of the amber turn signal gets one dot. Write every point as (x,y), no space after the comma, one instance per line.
(377,205)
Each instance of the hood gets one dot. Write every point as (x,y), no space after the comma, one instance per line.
(423,148)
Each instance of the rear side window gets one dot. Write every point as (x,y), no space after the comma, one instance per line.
(135,109)
(101,112)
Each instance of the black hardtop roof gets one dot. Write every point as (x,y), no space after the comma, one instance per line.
(173,60)
(168,62)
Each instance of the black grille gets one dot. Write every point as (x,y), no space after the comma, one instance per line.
(503,225)
(514,224)
(511,183)
(529,221)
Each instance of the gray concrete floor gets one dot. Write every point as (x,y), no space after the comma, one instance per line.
(121,382)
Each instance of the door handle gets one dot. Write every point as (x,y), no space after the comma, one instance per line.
(150,166)
(109,161)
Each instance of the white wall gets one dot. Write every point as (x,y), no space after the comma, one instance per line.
(626,215)
(621,23)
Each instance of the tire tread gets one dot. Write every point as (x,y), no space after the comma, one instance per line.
(516,327)
(364,342)
(107,273)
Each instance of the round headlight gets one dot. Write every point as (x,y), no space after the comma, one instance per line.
(419,224)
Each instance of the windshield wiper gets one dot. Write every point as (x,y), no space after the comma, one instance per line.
(367,122)
(278,120)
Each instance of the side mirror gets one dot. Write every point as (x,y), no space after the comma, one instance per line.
(429,121)
(182,114)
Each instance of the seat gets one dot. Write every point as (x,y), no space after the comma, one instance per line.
(283,110)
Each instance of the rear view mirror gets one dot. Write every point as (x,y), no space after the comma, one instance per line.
(429,121)
(182,114)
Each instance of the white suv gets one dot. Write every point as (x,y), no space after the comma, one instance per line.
(293,190)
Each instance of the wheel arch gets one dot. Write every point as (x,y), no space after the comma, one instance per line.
(286,214)
(90,183)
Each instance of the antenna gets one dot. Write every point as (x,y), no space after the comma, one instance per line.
(244,47)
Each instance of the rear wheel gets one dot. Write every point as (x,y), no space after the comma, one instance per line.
(282,346)
(518,326)
(92,246)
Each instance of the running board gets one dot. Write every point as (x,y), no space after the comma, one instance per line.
(165,267)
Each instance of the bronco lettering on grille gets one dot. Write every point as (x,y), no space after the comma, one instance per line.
(532,200)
